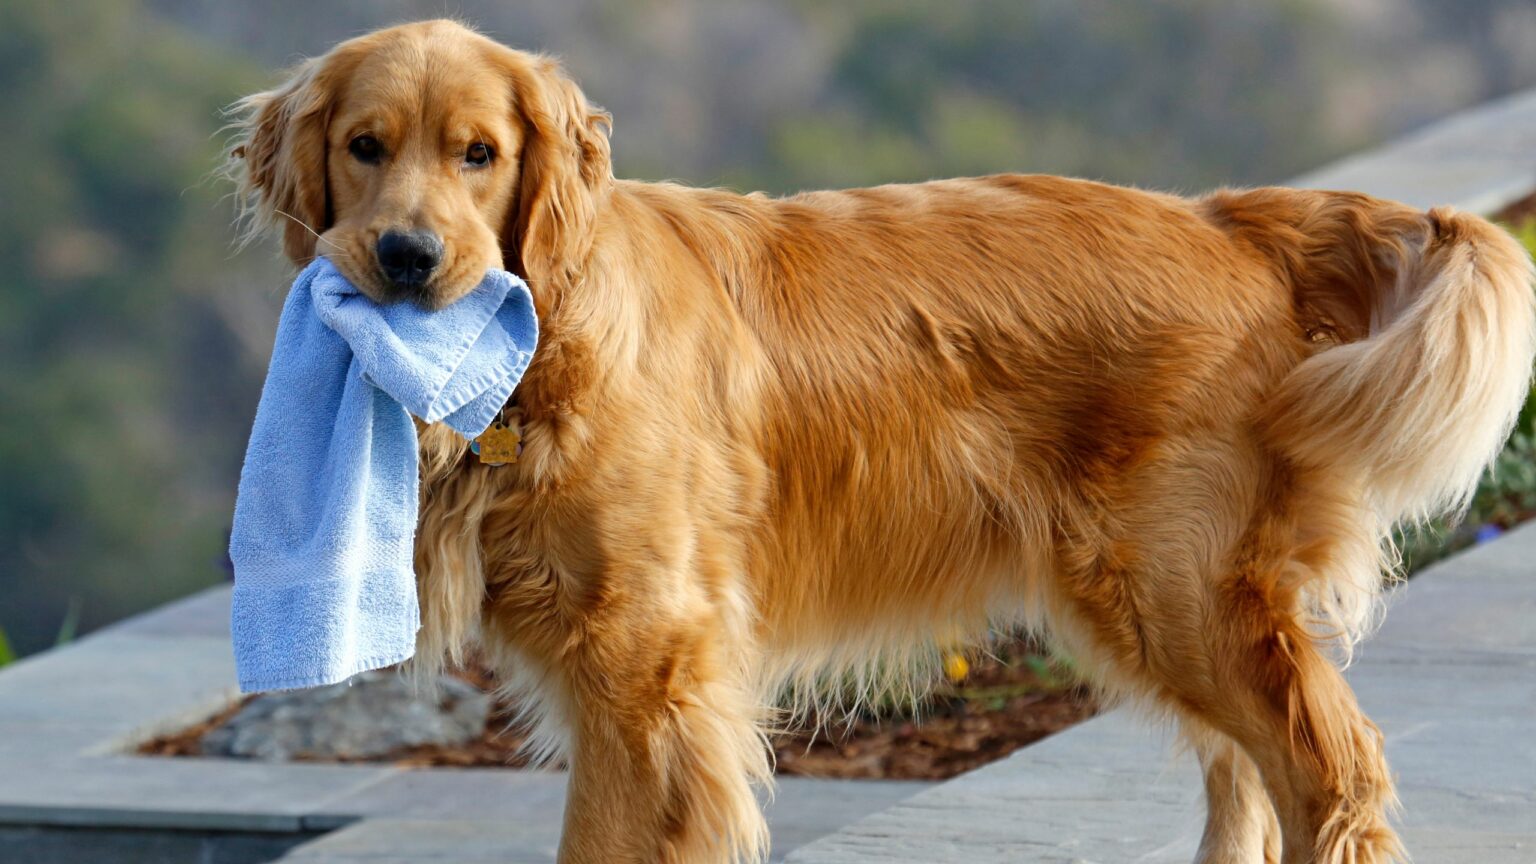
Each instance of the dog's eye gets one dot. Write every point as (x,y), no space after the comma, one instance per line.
(479,153)
(365,148)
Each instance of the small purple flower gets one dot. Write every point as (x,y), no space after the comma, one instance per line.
(1486,533)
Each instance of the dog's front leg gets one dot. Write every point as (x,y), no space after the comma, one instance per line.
(664,743)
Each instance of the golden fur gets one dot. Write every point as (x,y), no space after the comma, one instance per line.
(777,445)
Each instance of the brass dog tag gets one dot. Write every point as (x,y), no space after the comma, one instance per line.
(497,445)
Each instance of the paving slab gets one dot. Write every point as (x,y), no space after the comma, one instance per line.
(134,686)
(179,794)
(1477,606)
(803,809)
(1063,799)
(1480,160)
(513,841)
(457,794)
(527,829)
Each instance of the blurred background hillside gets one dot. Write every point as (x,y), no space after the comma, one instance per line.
(133,340)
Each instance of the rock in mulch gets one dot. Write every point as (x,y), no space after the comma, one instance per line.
(374,714)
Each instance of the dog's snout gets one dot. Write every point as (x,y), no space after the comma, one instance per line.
(409,257)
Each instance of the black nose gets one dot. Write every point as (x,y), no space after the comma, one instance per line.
(409,257)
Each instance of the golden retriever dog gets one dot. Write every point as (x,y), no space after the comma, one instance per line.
(775,447)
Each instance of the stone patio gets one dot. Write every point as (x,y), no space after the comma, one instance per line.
(1451,679)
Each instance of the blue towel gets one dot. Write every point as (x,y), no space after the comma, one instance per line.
(325,518)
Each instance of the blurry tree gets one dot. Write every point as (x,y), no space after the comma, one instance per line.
(122,386)
(792,94)
(132,340)
(1185,94)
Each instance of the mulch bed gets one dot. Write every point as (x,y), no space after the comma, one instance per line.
(1006,700)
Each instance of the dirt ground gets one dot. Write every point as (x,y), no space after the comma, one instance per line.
(1005,700)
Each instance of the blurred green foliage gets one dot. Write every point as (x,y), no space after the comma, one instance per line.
(133,342)
(123,400)
(1171,94)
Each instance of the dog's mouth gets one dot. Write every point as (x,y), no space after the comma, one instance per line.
(430,295)
(441,291)
(452,274)
(423,295)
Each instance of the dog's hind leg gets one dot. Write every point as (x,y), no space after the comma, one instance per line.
(1204,615)
(1240,823)
(1250,671)
(1245,668)
(1293,713)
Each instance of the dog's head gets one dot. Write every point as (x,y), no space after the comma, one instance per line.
(419,156)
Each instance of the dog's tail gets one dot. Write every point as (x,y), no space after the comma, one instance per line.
(1426,324)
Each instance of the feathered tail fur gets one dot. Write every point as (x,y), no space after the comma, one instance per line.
(1428,326)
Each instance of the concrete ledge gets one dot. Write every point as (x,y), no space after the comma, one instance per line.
(40,845)
(1480,160)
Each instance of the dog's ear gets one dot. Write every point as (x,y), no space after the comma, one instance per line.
(278,157)
(564,171)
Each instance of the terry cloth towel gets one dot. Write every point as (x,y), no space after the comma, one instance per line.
(325,517)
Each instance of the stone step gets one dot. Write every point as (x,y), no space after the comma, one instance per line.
(441,819)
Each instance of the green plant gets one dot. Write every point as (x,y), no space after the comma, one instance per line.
(70,625)
(68,629)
